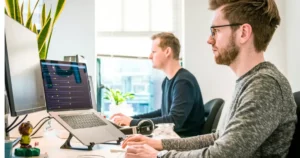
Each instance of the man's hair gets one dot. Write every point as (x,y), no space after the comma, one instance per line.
(168,40)
(262,15)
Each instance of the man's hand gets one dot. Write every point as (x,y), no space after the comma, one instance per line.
(141,151)
(121,119)
(140,140)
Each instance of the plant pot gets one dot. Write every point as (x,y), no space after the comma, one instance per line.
(123,108)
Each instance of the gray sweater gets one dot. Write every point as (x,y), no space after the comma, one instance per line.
(260,122)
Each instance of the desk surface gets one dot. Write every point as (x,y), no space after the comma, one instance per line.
(51,143)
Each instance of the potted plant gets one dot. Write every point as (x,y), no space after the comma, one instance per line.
(118,101)
(14,10)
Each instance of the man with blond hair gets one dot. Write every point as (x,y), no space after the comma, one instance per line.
(262,116)
(182,102)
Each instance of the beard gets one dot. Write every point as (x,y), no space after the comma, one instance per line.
(227,55)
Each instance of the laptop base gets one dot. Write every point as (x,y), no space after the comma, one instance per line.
(67,145)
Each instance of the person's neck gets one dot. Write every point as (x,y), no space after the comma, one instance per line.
(171,68)
(245,61)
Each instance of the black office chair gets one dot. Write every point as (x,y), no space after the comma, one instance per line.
(296,138)
(213,110)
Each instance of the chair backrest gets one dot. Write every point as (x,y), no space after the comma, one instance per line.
(296,138)
(213,110)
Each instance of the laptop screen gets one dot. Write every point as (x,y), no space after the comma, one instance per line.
(66,85)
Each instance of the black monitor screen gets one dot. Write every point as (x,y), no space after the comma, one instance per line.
(66,85)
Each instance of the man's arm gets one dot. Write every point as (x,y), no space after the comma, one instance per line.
(151,114)
(190,143)
(182,104)
(256,117)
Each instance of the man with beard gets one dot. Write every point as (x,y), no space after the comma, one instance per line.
(261,120)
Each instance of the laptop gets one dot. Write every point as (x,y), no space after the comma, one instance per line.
(68,101)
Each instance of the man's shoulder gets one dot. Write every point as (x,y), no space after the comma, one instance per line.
(267,81)
(269,77)
(184,74)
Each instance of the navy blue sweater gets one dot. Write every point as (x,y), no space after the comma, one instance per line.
(182,105)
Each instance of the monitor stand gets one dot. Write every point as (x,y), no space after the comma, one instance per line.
(6,125)
(67,144)
(7,137)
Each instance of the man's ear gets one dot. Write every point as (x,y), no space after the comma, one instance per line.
(168,52)
(246,33)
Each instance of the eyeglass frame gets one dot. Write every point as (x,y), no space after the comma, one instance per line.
(217,26)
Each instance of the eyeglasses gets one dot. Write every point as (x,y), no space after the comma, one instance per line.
(213,30)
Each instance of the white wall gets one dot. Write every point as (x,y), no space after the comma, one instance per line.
(276,51)
(292,42)
(74,33)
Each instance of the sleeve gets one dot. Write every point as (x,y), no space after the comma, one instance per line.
(137,118)
(152,114)
(256,117)
(191,143)
(182,104)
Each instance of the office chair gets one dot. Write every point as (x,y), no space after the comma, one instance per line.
(296,138)
(213,110)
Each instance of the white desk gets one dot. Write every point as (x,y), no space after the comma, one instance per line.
(51,144)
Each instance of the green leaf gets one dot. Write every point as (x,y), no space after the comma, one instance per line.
(18,12)
(29,14)
(43,36)
(22,6)
(117,96)
(121,100)
(49,15)
(5,11)
(42,51)
(34,29)
(60,6)
(10,8)
(43,15)
(48,45)
(107,95)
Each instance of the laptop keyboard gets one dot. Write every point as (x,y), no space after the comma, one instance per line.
(82,121)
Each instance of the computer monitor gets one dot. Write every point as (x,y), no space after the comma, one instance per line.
(23,79)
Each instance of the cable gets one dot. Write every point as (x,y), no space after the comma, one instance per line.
(16,141)
(40,126)
(12,123)
(17,124)
(41,121)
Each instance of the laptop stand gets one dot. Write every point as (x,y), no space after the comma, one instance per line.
(67,144)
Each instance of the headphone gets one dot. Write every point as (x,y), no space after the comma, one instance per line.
(145,127)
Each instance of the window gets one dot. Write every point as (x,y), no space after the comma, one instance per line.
(132,75)
(123,44)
